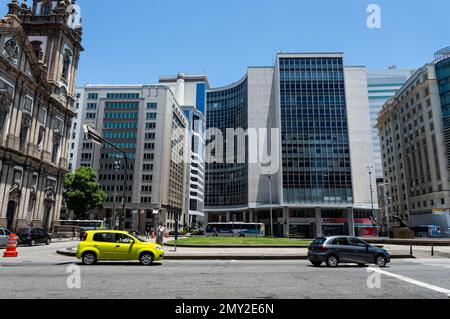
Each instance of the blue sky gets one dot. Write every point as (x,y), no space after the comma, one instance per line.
(136,41)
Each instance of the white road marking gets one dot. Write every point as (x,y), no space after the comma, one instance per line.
(412,281)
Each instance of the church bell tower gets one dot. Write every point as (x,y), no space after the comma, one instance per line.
(54,29)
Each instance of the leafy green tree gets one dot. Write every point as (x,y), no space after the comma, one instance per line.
(82,192)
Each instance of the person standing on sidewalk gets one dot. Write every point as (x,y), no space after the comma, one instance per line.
(160,234)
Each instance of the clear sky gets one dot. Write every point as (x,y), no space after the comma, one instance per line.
(136,41)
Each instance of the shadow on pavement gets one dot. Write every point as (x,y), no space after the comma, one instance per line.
(103,263)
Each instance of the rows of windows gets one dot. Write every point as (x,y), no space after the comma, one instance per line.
(121,105)
(116,155)
(227,184)
(121,115)
(119,125)
(122,145)
(316,159)
(150,116)
(152,106)
(120,135)
(91,106)
(92,96)
(118,96)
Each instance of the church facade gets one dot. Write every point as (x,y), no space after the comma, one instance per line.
(40,48)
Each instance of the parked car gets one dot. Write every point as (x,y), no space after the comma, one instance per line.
(33,236)
(98,245)
(342,249)
(4,234)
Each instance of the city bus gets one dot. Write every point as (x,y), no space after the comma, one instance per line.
(84,224)
(235,230)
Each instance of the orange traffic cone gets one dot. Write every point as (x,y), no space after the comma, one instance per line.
(11,250)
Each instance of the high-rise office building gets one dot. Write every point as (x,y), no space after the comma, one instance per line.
(41,46)
(147,122)
(316,113)
(190,93)
(382,85)
(415,148)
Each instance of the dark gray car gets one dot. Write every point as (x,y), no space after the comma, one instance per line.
(343,249)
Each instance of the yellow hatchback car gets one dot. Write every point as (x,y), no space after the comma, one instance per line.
(97,245)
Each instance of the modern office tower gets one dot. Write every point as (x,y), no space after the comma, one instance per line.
(190,92)
(148,124)
(308,126)
(415,146)
(39,52)
(383,84)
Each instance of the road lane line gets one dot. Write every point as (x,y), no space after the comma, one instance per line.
(412,281)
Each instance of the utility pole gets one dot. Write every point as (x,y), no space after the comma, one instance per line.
(271,209)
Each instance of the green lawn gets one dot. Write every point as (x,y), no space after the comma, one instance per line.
(230,241)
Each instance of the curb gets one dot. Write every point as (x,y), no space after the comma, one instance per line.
(232,246)
(232,257)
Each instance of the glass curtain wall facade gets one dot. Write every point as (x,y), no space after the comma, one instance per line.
(227,183)
(382,85)
(443,77)
(315,141)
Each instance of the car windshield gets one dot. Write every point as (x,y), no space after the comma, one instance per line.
(318,241)
(23,230)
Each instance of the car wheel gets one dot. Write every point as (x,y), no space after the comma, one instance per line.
(242,236)
(332,261)
(146,259)
(316,263)
(48,241)
(32,242)
(380,261)
(89,258)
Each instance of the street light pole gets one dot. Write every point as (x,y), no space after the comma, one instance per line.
(371,198)
(113,215)
(95,137)
(270,192)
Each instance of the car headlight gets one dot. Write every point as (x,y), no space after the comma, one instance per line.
(158,247)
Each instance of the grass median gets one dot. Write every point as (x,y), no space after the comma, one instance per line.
(236,241)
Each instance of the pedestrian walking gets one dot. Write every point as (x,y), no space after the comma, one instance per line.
(160,234)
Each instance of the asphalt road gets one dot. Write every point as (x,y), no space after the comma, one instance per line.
(40,273)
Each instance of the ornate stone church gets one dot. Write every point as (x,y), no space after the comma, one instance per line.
(40,48)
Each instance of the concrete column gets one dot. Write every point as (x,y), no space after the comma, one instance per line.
(228,217)
(286,221)
(318,222)
(351,222)
(251,216)
(245,216)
